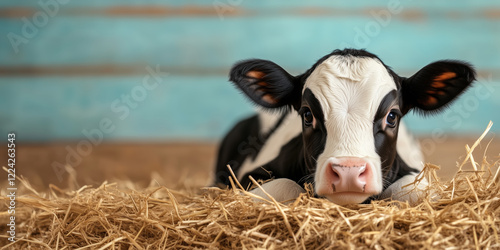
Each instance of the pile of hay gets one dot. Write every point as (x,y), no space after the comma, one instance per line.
(462,213)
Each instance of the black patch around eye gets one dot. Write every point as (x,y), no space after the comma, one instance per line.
(392,118)
(314,139)
(308,117)
(385,104)
(311,100)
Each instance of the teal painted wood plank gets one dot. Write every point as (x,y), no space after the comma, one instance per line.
(180,108)
(45,109)
(265,4)
(208,43)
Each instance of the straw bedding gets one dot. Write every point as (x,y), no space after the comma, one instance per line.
(461,213)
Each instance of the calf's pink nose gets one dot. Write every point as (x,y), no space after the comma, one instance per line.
(348,175)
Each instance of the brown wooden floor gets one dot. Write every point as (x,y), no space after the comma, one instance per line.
(187,163)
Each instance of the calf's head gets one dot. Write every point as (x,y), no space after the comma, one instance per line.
(351,104)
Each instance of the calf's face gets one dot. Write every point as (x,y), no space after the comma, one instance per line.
(351,105)
(354,108)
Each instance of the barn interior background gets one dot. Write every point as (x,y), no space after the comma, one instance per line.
(121,89)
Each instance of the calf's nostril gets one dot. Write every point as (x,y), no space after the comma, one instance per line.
(336,175)
(362,170)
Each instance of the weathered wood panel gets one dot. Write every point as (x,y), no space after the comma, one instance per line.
(63,73)
(209,43)
(180,107)
(58,108)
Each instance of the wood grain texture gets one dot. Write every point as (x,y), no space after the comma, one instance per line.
(180,107)
(69,69)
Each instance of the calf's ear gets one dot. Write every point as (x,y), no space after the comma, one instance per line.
(435,86)
(266,83)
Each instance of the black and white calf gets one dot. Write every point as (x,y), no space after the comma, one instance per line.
(338,125)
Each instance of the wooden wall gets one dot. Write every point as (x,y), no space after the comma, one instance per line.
(67,67)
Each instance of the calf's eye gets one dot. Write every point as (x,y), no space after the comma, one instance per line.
(391,119)
(308,117)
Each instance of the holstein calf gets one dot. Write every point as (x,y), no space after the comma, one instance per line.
(336,127)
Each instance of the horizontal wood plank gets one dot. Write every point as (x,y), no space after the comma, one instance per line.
(60,108)
(180,107)
(436,4)
(134,70)
(295,43)
(228,11)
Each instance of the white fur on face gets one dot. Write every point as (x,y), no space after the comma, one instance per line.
(349,90)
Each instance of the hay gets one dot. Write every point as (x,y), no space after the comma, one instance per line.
(461,213)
